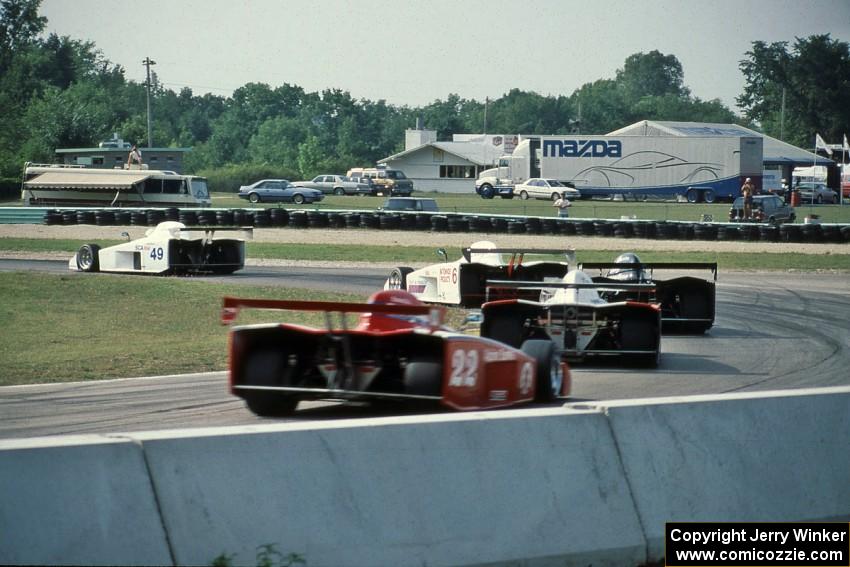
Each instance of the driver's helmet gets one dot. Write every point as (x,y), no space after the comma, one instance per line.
(390,321)
(628,274)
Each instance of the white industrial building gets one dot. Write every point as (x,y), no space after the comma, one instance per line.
(451,167)
(448,167)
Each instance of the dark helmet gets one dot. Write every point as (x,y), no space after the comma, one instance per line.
(629,274)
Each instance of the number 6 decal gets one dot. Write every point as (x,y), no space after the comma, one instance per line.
(464,368)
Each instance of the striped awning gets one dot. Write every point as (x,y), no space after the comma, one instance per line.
(86,180)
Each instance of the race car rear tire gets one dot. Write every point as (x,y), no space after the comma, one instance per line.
(270,404)
(640,334)
(423,378)
(398,277)
(267,367)
(88,259)
(549,377)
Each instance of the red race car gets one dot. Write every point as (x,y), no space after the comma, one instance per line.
(397,349)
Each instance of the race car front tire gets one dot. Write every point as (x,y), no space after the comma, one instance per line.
(549,378)
(88,259)
(398,277)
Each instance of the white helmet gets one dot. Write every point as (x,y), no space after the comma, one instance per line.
(628,274)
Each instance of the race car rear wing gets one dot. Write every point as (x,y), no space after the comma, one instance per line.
(469,252)
(530,286)
(231,305)
(650,266)
(248,231)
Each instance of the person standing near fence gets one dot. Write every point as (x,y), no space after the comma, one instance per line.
(562,204)
(747,191)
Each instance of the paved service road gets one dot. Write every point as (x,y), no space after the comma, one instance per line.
(773,331)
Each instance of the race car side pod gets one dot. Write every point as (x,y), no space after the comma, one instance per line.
(651,266)
(231,306)
(501,284)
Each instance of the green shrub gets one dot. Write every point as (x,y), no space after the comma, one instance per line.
(228,178)
(10,188)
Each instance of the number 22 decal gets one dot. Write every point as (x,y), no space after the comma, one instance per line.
(156,253)
(464,368)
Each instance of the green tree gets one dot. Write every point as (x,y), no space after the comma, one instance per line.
(814,76)
(651,74)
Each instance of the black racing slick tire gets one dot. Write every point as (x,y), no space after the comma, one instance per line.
(398,277)
(549,378)
(266,367)
(88,259)
(640,334)
(423,378)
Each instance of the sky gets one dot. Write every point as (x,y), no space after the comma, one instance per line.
(415,52)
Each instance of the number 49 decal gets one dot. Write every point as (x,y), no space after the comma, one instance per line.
(157,253)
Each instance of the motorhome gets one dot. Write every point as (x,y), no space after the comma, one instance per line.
(54,185)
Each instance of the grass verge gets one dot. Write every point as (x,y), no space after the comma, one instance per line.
(81,327)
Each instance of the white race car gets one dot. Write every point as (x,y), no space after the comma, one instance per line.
(573,314)
(464,281)
(168,248)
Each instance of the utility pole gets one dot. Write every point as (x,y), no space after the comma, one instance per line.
(147,63)
(782,117)
(486,103)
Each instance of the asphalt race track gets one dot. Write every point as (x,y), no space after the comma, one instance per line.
(773,331)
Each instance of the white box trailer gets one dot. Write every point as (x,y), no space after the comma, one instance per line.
(635,167)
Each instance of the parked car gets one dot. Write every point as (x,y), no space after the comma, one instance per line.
(815,192)
(416,204)
(552,189)
(336,184)
(279,191)
(766,208)
(384,181)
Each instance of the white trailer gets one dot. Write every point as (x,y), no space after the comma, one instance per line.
(637,167)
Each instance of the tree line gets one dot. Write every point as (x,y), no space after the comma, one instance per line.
(60,92)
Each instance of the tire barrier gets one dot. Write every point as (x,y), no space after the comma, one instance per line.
(811,233)
(704,231)
(280,217)
(624,230)
(85,217)
(603,228)
(769,233)
(189,218)
(499,225)
(317,219)
(224,218)
(517,227)
(298,220)
(790,233)
(352,220)
(728,233)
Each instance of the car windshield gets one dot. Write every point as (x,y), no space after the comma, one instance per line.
(395,175)
(554,183)
(199,188)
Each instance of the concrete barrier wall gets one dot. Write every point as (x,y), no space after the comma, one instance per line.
(543,486)
(757,457)
(78,501)
(577,485)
